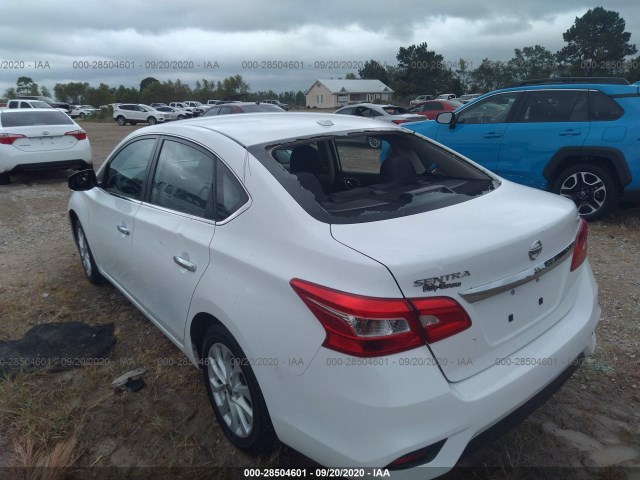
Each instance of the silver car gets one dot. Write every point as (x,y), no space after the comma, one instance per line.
(387,113)
(174,113)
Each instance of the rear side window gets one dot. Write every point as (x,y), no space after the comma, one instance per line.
(602,107)
(125,174)
(30,119)
(230,195)
(554,106)
(183,180)
(347,111)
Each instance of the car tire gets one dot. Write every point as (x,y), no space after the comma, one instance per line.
(152,120)
(374,143)
(121,121)
(86,256)
(5,179)
(82,115)
(592,188)
(180,117)
(234,393)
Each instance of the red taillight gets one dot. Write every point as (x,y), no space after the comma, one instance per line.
(440,317)
(398,122)
(370,327)
(580,245)
(9,138)
(79,134)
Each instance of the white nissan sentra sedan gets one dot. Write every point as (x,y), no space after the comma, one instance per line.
(367,315)
(40,139)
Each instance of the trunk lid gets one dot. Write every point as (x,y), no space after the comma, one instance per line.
(45,137)
(475,252)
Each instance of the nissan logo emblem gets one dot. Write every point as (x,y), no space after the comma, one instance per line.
(534,251)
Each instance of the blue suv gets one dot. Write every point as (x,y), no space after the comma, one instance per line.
(578,137)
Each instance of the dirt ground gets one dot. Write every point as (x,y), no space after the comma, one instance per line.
(74,420)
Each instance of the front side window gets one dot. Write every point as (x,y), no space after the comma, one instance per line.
(183,180)
(125,174)
(494,109)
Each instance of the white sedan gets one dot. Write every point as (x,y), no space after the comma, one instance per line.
(81,111)
(40,139)
(366,315)
(173,113)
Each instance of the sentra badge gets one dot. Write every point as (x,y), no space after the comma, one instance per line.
(434,284)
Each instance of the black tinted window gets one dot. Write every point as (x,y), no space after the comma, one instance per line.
(28,119)
(261,108)
(347,111)
(183,179)
(125,174)
(603,107)
(230,195)
(555,106)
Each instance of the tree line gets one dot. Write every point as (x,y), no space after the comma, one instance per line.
(596,45)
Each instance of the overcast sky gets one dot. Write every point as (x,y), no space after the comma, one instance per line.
(195,34)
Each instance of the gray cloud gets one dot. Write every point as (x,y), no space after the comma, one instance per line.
(67,31)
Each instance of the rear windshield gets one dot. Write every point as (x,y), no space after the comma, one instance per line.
(343,179)
(39,104)
(26,118)
(261,108)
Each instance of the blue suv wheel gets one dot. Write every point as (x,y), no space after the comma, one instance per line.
(591,188)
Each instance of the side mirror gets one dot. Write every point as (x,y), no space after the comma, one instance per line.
(445,118)
(82,181)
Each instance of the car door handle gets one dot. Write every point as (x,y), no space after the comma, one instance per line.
(570,133)
(185,263)
(123,230)
(492,135)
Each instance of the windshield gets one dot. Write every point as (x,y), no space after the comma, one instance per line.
(26,118)
(39,104)
(393,110)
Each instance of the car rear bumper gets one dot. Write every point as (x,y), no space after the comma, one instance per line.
(361,414)
(14,162)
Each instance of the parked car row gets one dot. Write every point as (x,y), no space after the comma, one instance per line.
(466,98)
(82,111)
(431,108)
